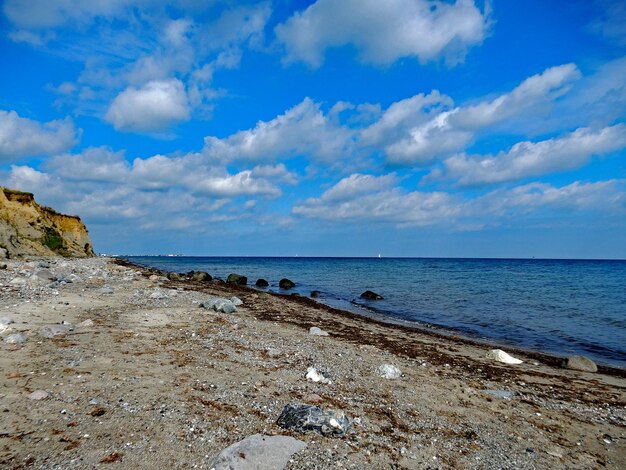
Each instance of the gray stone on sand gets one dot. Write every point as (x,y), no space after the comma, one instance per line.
(6,321)
(85,324)
(50,331)
(38,395)
(236,301)
(303,418)
(15,338)
(388,371)
(258,452)
(315,331)
(105,290)
(44,275)
(581,363)
(219,304)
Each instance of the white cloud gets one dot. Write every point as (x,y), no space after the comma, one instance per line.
(422,128)
(357,184)
(151,108)
(301,130)
(22,137)
(93,164)
(527,159)
(383,32)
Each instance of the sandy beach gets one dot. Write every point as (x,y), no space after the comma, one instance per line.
(119,367)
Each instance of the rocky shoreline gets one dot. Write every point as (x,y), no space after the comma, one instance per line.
(120,366)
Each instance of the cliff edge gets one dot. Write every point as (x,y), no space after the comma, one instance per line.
(28,229)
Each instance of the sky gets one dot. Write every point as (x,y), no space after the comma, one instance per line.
(322,128)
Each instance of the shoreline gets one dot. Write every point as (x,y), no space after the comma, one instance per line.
(139,376)
(407,326)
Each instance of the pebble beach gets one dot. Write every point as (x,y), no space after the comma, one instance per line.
(109,365)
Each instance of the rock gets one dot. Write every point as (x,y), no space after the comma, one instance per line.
(159,295)
(219,304)
(313,398)
(236,301)
(314,376)
(105,290)
(500,356)
(315,294)
(44,275)
(315,331)
(273,353)
(237,279)
(303,418)
(369,295)
(38,395)
(581,363)
(286,284)
(201,276)
(175,277)
(154,277)
(261,283)
(6,321)
(4,328)
(388,371)
(85,324)
(50,331)
(18,280)
(258,452)
(15,338)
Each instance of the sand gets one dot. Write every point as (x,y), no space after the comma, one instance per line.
(159,382)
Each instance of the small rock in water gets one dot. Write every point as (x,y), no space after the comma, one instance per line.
(286,284)
(258,452)
(500,356)
(315,294)
(315,331)
(314,376)
(15,338)
(581,363)
(303,418)
(388,371)
(369,295)
(236,301)
(201,276)
(261,283)
(38,395)
(237,279)
(50,331)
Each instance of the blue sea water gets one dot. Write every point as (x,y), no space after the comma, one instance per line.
(560,307)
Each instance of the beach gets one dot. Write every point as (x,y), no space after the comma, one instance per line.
(140,376)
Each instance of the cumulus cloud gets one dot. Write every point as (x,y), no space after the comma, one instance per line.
(151,108)
(400,207)
(423,128)
(526,159)
(383,32)
(22,137)
(301,130)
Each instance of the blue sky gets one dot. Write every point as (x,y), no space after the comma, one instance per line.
(322,128)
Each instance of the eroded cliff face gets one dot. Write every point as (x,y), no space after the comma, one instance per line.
(28,229)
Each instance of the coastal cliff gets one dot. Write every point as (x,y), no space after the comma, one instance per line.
(28,229)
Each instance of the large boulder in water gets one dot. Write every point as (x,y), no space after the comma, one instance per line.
(237,279)
(262,283)
(286,284)
(579,363)
(369,295)
(201,276)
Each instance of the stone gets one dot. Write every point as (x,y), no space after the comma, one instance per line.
(175,277)
(499,355)
(286,284)
(261,283)
(303,418)
(315,294)
(154,277)
(369,295)
(85,324)
(219,304)
(581,363)
(388,371)
(18,280)
(15,338)
(314,376)
(258,452)
(44,275)
(236,301)
(105,290)
(6,321)
(4,328)
(201,276)
(38,395)
(315,331)
(50,331)
(237,279)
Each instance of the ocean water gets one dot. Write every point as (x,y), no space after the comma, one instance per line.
(561,307)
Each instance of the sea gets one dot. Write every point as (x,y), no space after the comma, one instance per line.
(560,307)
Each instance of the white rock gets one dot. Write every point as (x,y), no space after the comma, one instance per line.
(258,452)
(388,371)
(314,376)
(50,331)
(4,328)
(315,331)
(85,324)
(15,338)
(6,321)
(236,301)
(38,395)
(500,356)
(18,280)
